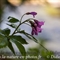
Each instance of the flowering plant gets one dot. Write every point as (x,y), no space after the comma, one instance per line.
(6,38)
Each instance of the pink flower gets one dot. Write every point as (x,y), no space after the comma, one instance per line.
(39,23)
(31,13)
(36,27)
(36,30)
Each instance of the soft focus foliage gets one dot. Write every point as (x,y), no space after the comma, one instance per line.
(6,38)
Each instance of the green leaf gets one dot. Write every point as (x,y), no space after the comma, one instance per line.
(3,41)
(20,47)
(13,20)
(6,31)
(19,39)
(11,47)
(10,17)
(12,25)
(28,35)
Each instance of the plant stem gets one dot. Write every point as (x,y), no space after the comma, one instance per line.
(18,25)
(27,24)
(16,29)
(43,47)
(21,23)
(22,17)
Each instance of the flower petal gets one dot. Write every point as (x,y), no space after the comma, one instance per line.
(41,23)
(32,13)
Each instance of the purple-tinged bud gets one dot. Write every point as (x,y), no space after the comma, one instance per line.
(31,13)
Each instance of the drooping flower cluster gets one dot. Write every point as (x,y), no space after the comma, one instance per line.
(36,25)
